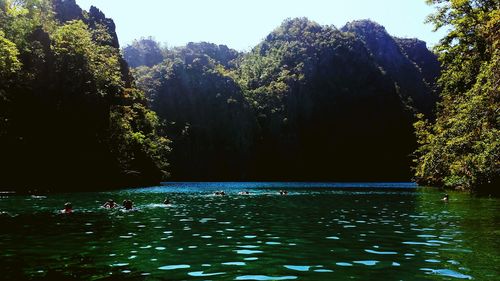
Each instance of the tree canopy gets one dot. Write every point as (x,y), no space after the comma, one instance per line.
(462,148)
(69,108)
(143,52)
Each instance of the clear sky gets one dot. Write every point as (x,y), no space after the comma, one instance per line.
(241,24)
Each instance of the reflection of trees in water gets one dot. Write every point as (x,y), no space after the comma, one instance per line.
(466,230)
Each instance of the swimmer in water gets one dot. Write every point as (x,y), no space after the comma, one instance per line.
(110,204)
(166,201)
(220,193)
(68,208)
(128,204)
(446,198)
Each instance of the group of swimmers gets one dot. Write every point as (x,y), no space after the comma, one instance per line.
(222,193)
(111,204)
(129,205)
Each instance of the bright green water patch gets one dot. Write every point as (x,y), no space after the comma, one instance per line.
(314,233)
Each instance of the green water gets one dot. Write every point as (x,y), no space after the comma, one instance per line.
(314,233)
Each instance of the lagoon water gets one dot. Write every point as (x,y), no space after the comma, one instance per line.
(319,231)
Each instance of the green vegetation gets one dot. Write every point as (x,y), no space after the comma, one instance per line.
(462,148)
(69,110)
(143,52)
(206,114)
(310,102)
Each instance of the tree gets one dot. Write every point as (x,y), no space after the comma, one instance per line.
(9,62)
(143,52)
(462,148)
(68,106)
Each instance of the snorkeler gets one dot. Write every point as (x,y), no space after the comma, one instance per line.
(68,208)
(110,204)
(128,204)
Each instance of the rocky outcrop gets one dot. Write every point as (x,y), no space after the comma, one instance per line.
(417,51)
(67,10)
(96,20)
(309,102)
(395,62)
(206,115)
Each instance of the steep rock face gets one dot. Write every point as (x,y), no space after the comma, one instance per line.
(206,115)
(310,102)
(417,51)
(388,54)
(326,110)
(67,10)
(97,20)
(103,28)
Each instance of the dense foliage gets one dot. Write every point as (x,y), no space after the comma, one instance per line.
(206,114)
(462,148)
(310,102)
(69,112)
(143,52)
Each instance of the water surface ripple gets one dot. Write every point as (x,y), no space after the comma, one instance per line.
(319,231)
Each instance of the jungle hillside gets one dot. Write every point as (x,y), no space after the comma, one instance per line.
(310,102)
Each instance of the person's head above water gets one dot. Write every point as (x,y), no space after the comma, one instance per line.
(68,207)
(109,204)
(127,204)
(446,197)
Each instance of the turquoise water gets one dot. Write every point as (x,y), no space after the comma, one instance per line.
(319,231)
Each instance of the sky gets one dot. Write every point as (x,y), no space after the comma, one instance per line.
(242,24)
